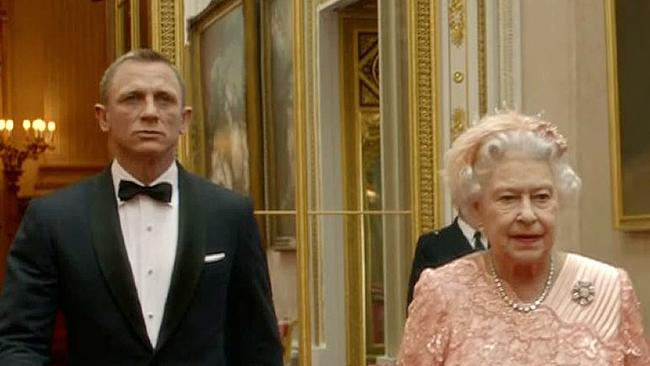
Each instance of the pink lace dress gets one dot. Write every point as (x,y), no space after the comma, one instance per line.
(457,318)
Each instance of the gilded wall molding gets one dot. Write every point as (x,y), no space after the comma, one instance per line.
(456,16)
(458,122)
(167,24)
(167,37)
(482,59)
(302,205)
(311,112)
(168,30)
(509,54)
(423,114)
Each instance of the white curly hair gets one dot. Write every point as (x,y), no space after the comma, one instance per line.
(475,153)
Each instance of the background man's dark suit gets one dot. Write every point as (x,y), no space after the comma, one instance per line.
(69,253)
(437,248)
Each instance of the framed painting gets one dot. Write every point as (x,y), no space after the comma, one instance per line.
(123,26)
(132,23)
(629,87)
(225,94)
(279,152)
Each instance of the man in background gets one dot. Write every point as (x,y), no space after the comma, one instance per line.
(440,247)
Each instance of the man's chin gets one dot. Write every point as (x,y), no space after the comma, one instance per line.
(150,151)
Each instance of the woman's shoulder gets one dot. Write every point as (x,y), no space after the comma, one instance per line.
(458,273)
(588,292)
(592,267)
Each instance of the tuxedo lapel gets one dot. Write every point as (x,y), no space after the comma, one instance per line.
(190,253)
(111,254)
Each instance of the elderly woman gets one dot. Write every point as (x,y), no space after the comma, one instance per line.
(521,302)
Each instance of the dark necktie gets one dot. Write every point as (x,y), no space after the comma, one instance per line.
(478,244)
(160,192)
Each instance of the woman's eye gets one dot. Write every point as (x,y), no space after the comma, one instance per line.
(507,198)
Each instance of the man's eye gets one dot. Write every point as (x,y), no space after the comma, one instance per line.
(129,97)
(542,197)
(166,98)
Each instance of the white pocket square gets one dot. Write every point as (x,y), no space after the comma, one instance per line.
(211,258)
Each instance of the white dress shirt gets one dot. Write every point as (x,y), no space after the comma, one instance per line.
(468,233)
(150,232)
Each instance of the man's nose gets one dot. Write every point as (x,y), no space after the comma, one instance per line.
(149,110)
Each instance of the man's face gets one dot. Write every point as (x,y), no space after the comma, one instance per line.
(143,115)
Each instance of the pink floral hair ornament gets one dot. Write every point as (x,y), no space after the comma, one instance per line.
(549,132)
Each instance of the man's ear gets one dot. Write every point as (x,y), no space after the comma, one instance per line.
(100,115)
(187,119)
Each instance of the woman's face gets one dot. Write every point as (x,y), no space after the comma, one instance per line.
(517,210)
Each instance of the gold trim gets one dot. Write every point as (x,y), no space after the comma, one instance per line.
(190,138)
(621,220)
(118,23)
(458,122)
(302,204)
(167,28)
(135,24)
(424,114)
(459,77)
(253,101)
(482,59)
(314,184)
(457,22)
(354,265)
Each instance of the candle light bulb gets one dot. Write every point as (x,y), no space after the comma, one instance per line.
(38,124)
(9,125)
(51,126)
(2,124)
(26,124)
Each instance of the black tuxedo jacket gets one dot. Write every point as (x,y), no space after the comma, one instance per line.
(436,249)
(69,254)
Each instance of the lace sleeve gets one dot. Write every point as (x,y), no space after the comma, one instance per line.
(426,334)
(631,331)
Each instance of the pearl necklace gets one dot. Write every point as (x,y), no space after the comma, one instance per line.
(523,308)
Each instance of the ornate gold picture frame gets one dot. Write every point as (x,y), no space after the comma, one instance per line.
(225,94)
(279,132)
(132,24)
(629,87)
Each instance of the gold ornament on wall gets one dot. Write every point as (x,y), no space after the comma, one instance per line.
(458,123)
(457,21)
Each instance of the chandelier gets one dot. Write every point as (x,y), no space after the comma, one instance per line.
(38,139)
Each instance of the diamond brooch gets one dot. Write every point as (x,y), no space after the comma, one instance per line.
(583,293)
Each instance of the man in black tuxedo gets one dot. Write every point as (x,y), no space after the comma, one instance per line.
(440,247)
(150,265)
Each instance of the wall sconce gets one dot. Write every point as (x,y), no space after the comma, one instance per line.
(39,139)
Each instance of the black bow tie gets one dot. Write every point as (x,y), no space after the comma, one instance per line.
(160,192)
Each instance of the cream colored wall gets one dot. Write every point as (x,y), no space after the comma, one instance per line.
(565,75)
